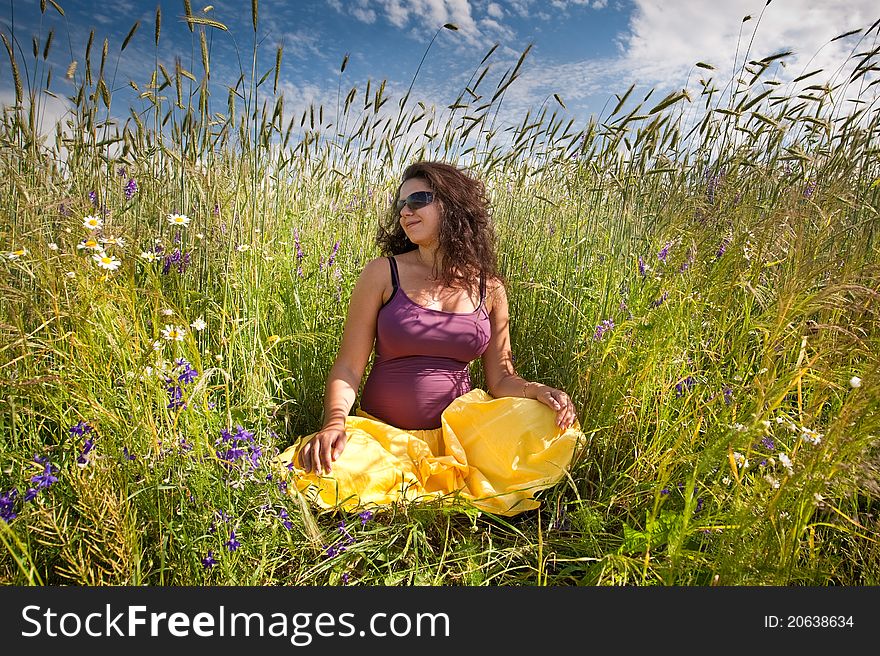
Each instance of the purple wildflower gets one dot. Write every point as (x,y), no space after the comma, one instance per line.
(127,455)
(722,248)
(31,494)
(7,505)
(712,188)
(809,189)
(130,188)
(728,395)
(365,516)
(208,561)
(232,544)
(345,578)
(643,271)
(175,397)
(93,197)
(80,429)
(768,443)
(684,386)
(216,209)
(603,328)
(177,259)
(658,302)
(45,479)
(664,252)
(333,255)
(84,458)
(664,491)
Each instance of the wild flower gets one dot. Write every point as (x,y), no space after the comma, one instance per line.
(188,374)
(602,328)
(150,256)
(286,519)
(811,436)
(113,241)
(92,222)
(178,259)
(176,333)
(722,248)
(30,494)
(126,455)
(365,516)
(728,395)
(772,480)
(332,258)
(664,252)
(46,478)
(241,248)
(855,382)
(768,443)
(79,429)
(199,324)
(130,188)
(740,460)
(14,255)
(208,561)
(83,459)
(684,386)
(93,197)
(90,244)
(786,463)
(7,505)
(181,220)
(52,246)
(809,188)
(643,270)
(232,544)
(659,301)
(108,262)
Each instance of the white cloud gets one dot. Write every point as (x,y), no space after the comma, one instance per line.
(494,10)
(667,38)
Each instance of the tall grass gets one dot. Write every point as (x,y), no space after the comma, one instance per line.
(697,271)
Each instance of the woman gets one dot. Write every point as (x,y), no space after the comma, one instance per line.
(432,306)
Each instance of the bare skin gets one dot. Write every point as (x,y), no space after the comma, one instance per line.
(373,289)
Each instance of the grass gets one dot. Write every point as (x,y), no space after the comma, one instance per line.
(731,409)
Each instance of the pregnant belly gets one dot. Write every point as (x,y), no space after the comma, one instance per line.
(412,393)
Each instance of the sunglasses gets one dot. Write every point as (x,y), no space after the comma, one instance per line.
(415,201)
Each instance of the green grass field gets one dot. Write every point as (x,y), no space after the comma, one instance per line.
(698,271)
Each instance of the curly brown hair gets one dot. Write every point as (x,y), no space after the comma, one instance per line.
(467,234)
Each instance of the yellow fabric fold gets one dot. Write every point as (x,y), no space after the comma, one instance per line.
(493,453)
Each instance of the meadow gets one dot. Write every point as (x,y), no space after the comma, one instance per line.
(698,270)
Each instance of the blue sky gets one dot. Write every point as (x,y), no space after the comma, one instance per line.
(586,51)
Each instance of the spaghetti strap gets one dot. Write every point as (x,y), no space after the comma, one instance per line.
(395,281)
(482,288)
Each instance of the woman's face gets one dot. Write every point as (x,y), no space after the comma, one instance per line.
(422,226)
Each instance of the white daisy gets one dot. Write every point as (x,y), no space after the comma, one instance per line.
(167,312)
(93,222)
(91,244)
(199,324)
(175,333)
(242,247)
(106,261)
(52,246)
(786,462)
(70,274)
(150,256)
(855,381)
(178,220)
(157,345)
(113,241)
(14,255)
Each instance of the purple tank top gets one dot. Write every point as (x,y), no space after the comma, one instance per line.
(421,360)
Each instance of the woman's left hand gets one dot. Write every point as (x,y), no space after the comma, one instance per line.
(559,401)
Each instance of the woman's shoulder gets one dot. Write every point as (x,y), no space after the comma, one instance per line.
(495,292)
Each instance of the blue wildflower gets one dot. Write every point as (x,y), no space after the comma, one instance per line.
(208,561)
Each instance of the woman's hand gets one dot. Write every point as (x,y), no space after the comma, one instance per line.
(559,401)
(323,450)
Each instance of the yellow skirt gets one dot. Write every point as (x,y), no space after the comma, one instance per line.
(492,453)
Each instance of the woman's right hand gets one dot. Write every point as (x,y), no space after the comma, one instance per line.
(320,452)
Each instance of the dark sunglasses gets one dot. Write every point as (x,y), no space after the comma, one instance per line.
(415,201)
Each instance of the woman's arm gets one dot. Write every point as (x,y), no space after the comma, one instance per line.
(344,378)
(500,374)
